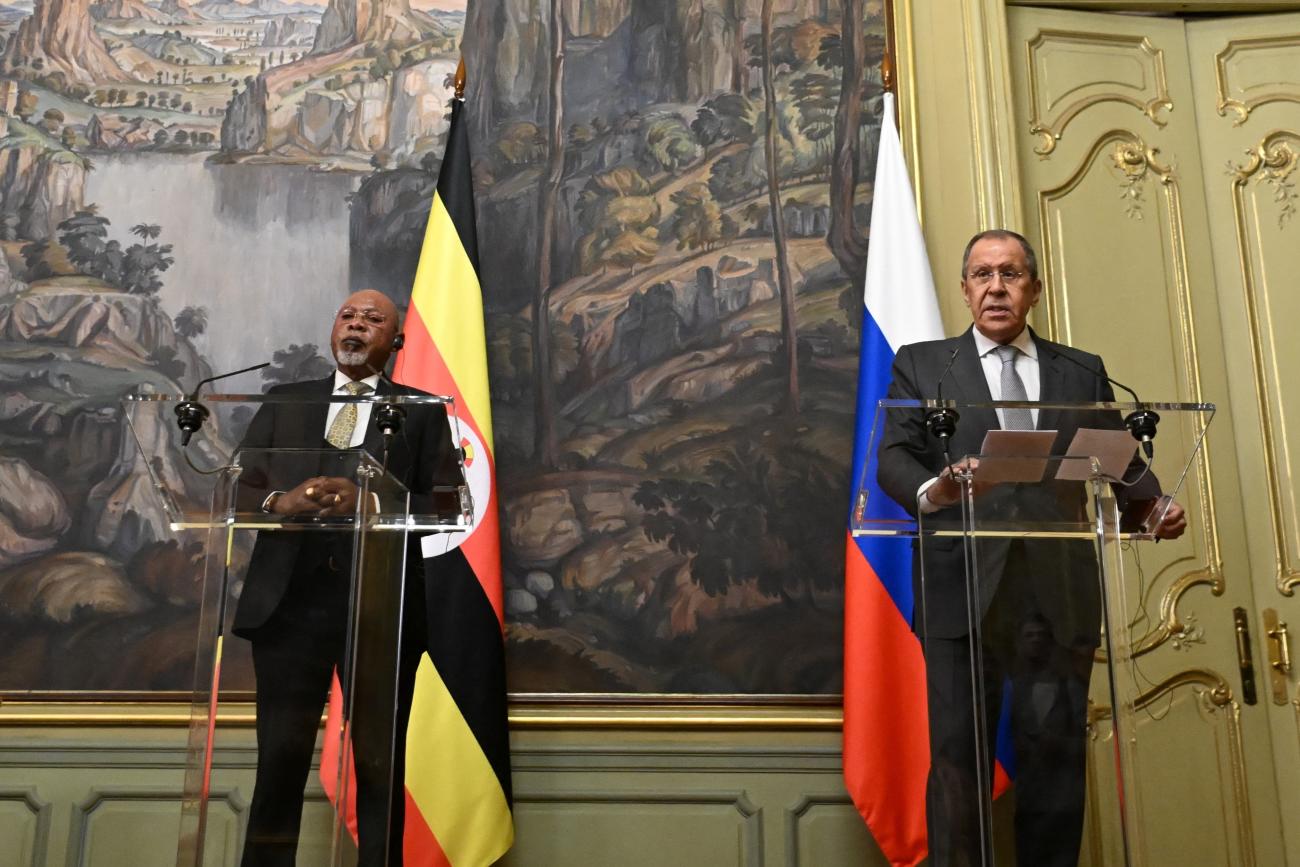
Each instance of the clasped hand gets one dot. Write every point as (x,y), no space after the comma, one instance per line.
(325,496)
(946,491)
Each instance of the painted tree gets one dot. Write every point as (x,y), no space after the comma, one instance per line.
(616,206)
(630,248)
(191,321)
(707,128)
(846,241)
(52,120)
(545,436)
(670,142)
(142,263)
(817,97)
(789,326)
(296,363)
(699,222)
(739,56)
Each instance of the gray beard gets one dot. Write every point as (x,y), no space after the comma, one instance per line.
(355,358)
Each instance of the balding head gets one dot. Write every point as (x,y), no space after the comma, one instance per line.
(363,334)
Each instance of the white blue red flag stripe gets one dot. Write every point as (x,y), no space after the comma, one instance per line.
(886,734)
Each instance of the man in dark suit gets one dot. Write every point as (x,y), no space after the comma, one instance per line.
(1039,607)
(294,603)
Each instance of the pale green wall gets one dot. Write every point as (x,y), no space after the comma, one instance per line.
(95,796)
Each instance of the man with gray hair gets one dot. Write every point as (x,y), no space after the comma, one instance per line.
(1040,601)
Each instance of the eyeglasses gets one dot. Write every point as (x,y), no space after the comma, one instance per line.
(984,276)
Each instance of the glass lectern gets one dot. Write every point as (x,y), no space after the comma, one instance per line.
(339,575)
(1023,609)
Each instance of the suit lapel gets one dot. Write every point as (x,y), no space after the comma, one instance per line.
(374,441)
(313,414)
(972,387)
(1051,383)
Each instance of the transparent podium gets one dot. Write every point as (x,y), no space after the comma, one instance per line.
(313,591)
(1023,607)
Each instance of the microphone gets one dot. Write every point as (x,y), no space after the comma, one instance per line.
(941,421)
(388,416)
(190,415)
(1141,422)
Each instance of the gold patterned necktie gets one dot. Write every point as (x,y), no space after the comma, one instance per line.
(340,432)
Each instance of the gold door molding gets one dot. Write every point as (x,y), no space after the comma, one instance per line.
(1206,701)
(1125,69)
(1137,166)
(1214,702)
(1246,72)
(1264,204)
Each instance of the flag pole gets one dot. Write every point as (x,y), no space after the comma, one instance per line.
(887,61)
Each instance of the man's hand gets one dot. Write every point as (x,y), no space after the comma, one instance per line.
(319,495)
(336,496)
(1172,525)
(947,490)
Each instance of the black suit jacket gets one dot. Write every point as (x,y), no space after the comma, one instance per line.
(909,456)
(421,457)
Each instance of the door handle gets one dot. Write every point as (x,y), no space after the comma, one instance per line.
(1279,654)
(1245,658)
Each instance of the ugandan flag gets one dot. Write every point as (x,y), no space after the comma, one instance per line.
(458,797)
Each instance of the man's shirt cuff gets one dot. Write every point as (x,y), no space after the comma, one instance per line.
(924,504)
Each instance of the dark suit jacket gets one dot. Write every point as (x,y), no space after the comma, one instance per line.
(421,457)
(909,456)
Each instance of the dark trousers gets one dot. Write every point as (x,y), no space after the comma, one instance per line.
(1041,677)
(294,657)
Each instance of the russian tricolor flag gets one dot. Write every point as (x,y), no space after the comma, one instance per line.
(886,735)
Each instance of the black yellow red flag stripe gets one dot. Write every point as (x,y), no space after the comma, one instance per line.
(459,802)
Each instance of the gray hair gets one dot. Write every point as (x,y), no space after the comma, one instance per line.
(1031,258)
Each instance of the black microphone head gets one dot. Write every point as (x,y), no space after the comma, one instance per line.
(388,418)
(190,416)
(1142,424)
(942,423)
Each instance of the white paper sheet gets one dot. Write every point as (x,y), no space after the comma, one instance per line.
(1014,456)
(1113,449)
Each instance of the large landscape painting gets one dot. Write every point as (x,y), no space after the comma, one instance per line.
(672,199)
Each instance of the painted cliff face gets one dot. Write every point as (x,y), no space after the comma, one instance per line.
(179,183)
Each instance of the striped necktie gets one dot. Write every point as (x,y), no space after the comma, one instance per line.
(1013,388)
(340,432)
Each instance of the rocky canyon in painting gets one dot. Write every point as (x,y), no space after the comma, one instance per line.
(672,198)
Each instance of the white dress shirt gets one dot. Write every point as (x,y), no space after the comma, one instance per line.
(363,409)
(1026,365)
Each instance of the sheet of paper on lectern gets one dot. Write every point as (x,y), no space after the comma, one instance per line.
(1113,449)
(1014,456)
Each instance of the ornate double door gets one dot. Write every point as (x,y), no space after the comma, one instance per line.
(1157,164)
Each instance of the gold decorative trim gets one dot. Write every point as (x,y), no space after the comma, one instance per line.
(667,716)
(1295,705)
(1236,106)
(1051,130)
(1273,154)
(1216,689)
(976,83)
(1134,157)
(1171,626)
(1274,160)
(1215,696)
(909,112)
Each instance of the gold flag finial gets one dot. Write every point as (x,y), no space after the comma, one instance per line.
(887,61)
(460,80)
